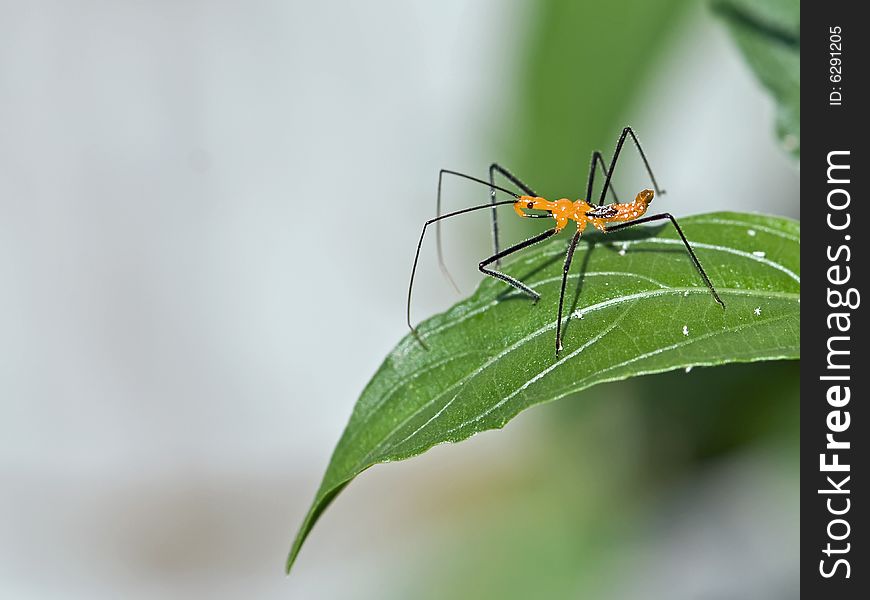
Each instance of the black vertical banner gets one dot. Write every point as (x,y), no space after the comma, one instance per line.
(835,182)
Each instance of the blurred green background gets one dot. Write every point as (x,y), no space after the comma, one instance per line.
(680,485)
(207,219)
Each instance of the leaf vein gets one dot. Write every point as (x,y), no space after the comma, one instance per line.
(552,325)
(578,384)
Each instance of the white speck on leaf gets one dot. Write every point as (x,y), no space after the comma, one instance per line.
(685,330)
(757,311)
(751,232)
(759,253)
(686,293)
(688,369)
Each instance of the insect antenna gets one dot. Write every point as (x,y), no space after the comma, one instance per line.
(438,219)
(438,245)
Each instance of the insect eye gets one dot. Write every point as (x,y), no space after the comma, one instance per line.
(531,205)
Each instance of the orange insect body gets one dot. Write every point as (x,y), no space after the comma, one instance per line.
(606,218)
(583,213)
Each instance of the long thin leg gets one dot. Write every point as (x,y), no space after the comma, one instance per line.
(597,160)
(490,185)
(609,172)
(493,169)
(420,245)
(569,256)
(698,266)
(515,248)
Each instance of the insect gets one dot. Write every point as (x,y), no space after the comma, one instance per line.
(603,217)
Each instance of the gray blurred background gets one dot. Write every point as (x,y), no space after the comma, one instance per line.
(207,218)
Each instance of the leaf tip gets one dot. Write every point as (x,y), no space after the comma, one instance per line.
(323,499)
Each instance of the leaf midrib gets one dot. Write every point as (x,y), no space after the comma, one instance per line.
(579,385)
(682,292)
(667,241)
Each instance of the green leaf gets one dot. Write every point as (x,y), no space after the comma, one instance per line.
(639,307)
(768,34)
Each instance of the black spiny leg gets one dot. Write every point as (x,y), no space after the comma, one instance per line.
(493,169)
(597,160)
(516,248)
(569,256)
(437,220)
(609,172)
(695,260)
